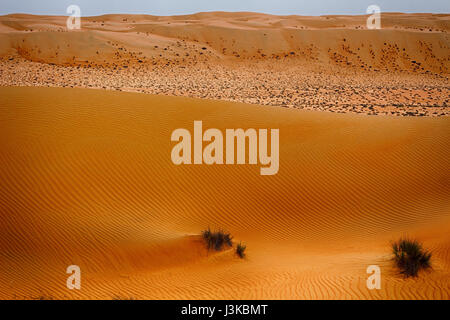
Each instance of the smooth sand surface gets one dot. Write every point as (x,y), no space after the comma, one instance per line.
(87,179)
(331,63)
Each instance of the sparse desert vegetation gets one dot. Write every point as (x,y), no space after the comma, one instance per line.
(410,257)
(240,250)
(217,240)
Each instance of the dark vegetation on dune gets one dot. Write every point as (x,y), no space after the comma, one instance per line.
(218,240)
(240,250)
(410,257)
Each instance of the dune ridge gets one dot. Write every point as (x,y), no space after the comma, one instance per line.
(87,179)
(235,35)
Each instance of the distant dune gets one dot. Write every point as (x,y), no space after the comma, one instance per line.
(87,179)
(328,63)
(335,40)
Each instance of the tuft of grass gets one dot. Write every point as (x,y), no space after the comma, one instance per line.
(240,250)
(410,257)
(217,240)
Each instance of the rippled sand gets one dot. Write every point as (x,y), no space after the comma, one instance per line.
(87,179)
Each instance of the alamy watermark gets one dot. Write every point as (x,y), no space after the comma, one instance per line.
(74,20)
(374,21)
(235,140)
(374,280)
(74,280)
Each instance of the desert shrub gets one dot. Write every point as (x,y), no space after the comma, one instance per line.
(217,240)
(206,234)
(410,257)
(240,250)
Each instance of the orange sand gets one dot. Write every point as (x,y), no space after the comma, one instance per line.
(87,179)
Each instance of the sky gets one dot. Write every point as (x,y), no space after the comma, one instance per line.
(174,7)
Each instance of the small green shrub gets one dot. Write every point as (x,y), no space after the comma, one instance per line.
(410,257)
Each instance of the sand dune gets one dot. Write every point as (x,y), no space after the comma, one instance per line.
(341,40)
(87,179)
(330,63)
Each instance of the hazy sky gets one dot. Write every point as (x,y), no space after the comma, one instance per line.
(171,7)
